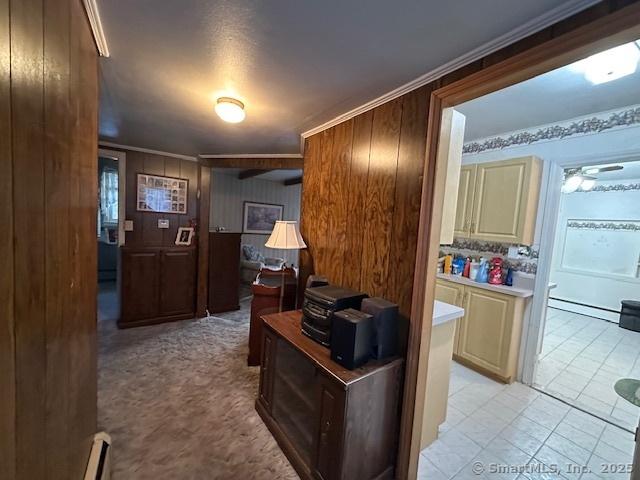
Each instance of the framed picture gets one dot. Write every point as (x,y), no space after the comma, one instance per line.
(259,218)
(162,194)
(184,236)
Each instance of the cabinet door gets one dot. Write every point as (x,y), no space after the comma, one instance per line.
(331,425)
(140,280)
(485,334)
(464,208)
(266,369)
(505,201)
(177,282)
(452,294)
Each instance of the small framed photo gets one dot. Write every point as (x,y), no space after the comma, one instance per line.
(184,236)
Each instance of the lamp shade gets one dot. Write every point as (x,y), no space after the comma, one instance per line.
(286,236)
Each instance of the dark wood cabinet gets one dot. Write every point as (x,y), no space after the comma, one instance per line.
(158,285)
(331,423)
(224,272)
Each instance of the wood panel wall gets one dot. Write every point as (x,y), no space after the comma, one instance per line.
(48,163)
(361,199)
(145,224)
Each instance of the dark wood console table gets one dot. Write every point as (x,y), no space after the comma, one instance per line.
(331,423)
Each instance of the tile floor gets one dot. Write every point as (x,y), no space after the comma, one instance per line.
(582,358)
(523,433)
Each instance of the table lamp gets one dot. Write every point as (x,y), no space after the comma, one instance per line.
(285,236)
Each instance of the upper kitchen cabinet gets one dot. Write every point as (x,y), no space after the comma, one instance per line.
(465,201)
(498,201)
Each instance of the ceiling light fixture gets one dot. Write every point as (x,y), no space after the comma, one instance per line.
(230,110)
(587,183)
(571,183)
(611,64)
(601,169)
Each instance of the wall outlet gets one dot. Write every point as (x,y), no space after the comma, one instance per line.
(163,223)
(128,225)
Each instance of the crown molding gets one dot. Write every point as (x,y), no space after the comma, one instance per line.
(254,155)
(147,150)
(93,14)
(549,18)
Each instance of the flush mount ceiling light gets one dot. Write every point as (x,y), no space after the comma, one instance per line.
(572,181)
(230,110)
(611,64)
(587,183)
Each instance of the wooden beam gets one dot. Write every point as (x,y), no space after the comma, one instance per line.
(253,163)
(254,172)
(293,181)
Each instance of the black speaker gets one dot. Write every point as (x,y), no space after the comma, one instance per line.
(351,333)
(385,326)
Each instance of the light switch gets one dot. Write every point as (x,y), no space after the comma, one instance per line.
(163,223)
(128,225)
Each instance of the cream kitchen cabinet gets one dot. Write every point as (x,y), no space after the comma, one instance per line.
(488,335)
(498,201)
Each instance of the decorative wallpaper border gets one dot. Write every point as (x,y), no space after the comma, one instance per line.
(602,225)
(621,118)
(617,187)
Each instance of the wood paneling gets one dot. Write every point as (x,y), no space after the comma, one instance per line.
(145,224)
(48,160)
(7,338)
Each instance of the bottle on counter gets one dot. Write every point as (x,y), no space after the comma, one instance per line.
(483,271)
(508,279)
(467,267)
(447,264)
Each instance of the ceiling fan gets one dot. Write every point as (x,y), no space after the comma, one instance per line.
(583,177)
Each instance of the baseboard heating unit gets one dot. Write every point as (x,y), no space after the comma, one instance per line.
(99,466)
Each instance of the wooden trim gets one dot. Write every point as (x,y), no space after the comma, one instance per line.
(271,163)
(118,146)
(244,174)
(93,14)
(253,155)
(292,181)
(204,204)
(609,30)
(155,321)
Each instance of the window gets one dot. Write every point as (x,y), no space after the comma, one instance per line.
(109,197)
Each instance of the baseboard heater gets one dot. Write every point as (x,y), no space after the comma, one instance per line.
(99,466)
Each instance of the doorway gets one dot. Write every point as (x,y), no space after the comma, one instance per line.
(110,231)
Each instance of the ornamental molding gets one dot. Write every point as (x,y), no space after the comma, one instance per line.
(602,225)
(596,124)
(615,187)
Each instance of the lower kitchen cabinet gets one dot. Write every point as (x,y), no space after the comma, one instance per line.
(488,335)
(331,423)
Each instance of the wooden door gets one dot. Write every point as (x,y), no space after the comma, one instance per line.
(177,282)
(140,284)
(485,335)
(452,294)
(505,201)
(464,208)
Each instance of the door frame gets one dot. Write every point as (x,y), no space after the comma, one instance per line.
(615,28)
(549,221)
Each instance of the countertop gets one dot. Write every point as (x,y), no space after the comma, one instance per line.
(445,312)
(516,292)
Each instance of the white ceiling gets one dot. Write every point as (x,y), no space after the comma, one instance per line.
(556,96)
(272,175)
(295,64)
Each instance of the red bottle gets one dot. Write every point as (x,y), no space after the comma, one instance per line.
(495,271)
(467,267)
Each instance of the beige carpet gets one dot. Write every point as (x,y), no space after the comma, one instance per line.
(178,401)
